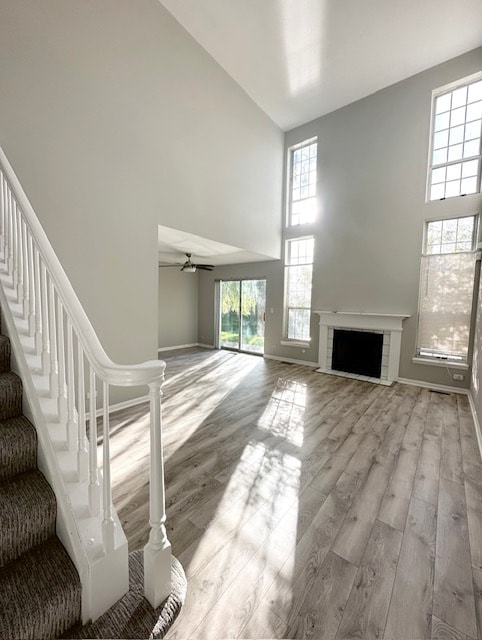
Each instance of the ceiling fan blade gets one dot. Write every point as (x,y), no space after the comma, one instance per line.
(206,267)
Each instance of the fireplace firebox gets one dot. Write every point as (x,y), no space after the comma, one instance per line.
(357,352)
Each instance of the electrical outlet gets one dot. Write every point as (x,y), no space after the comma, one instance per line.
(458,376)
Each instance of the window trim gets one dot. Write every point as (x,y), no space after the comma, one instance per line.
(451,86)
(440,362)
(285,340)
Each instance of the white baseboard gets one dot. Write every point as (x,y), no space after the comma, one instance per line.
(291,360)
(478,432)
(178,346)
(120,405)
(186,346)
(431,385)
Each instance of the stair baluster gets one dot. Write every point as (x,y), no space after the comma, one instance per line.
(108,525)
(62,393)
(94,485)
(31,286)
(82,445)
(72,436)
(19,252)
(45,323)
(15,245)
(54,365)
(10,232)
(38,302)
(2,213)
(25,271)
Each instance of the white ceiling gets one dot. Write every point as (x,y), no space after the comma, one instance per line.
(173,245)
(300,59)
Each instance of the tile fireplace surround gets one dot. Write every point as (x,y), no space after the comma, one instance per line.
(389,324)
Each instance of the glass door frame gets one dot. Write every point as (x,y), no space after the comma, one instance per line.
(218,328)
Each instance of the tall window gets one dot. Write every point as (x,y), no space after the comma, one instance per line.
(446,287)
(455,155)
(302,183)
(298,280)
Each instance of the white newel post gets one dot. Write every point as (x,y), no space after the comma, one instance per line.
(157,552)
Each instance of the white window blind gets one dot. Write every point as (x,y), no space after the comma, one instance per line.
(446,289)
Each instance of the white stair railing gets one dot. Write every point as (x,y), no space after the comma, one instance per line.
(57,350)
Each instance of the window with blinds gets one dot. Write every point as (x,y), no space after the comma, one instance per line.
(446,289)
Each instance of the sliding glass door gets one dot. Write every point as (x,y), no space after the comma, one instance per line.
(242,311)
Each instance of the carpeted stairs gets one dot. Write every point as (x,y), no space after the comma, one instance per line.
(39,586)
(40,591)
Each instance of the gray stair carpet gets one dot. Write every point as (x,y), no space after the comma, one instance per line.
(40,590)
(133,616)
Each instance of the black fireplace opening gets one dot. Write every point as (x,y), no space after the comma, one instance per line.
(357,352)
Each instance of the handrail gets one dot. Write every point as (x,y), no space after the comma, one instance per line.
(71,357)
(115,374)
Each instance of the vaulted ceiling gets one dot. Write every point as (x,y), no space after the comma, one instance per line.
(300,59)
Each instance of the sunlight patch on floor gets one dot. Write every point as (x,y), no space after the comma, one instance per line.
(258,553)
(197,406)
(184,373)
(284,413)
(261,492)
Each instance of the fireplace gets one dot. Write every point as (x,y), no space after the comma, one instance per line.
(357,352)
(360,345)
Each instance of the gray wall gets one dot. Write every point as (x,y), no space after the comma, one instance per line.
(116,121)
(178,308)
(372,176)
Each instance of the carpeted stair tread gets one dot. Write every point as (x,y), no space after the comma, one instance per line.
(10,395)
(18,450)
(40,594)
(27,514)
(4,354)
(132,616)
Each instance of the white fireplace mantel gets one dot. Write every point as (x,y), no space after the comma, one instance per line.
(388,323)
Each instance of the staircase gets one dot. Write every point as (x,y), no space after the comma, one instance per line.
(40,591)
(65,570)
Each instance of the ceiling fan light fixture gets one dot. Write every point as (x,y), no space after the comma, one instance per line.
(189,269)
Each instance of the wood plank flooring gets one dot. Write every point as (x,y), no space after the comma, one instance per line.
(303,505)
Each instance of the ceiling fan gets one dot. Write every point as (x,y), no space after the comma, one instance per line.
(189,266)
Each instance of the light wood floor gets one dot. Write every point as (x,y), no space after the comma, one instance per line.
(304,505)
